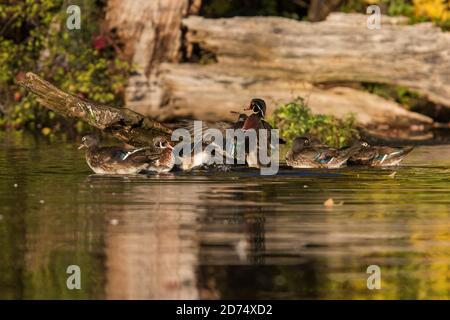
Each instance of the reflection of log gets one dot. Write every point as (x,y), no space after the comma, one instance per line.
(124,124)
(257,55)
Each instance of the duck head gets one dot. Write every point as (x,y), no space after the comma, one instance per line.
(89,141)
(363,144)
(258,106)
(299,144)
(162,143)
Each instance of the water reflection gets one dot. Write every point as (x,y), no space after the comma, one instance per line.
(227,235)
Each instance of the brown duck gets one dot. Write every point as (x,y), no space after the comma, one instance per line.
(117,160)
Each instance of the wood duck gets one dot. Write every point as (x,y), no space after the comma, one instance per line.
(257,122)
(192,160)
(305,154)
(256,119)
(116,160)
(379,156)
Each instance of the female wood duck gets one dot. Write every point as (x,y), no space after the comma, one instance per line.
(116,160)
(305,154)
(379,156)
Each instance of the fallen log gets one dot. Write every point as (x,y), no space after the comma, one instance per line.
(122,123)
(340,48)
(210,92)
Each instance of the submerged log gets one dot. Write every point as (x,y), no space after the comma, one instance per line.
(124,124)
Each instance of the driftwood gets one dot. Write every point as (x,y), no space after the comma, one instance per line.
(211,92)
(341,48)
(122,123)
(277,58)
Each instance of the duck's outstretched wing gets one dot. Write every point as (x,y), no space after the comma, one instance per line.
(125,124)
(203,135)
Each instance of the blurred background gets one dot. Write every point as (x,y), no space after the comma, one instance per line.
(315,62)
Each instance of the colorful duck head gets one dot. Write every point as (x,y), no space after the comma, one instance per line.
(166,159)
(89,141)
(258,106)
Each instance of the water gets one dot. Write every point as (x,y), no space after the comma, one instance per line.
(224,235)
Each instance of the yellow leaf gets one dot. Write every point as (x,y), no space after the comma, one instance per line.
(46,131)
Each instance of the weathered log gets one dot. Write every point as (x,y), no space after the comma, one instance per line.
(281,52)
(338,49)
(341,48)
(210,92)
(124,124)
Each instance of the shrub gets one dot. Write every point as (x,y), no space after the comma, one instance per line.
(34,38)
(295,119)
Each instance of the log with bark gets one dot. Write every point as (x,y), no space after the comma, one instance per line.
(122,123)
(341,48)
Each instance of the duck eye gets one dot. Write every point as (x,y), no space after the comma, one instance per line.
(162,144)
(365,144)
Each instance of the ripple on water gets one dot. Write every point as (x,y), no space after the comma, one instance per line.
(225,235)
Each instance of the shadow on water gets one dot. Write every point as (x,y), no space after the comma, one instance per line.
(220,235)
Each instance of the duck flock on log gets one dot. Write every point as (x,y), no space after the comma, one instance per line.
(305,152)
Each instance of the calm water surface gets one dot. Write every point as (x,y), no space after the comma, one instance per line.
(220,235)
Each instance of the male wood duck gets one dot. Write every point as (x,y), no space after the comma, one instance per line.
(305,154)
(257,122)
(379,156)
(256,119)
(116,160)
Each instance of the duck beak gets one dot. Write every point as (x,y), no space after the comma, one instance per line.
(81,146)
(249,107)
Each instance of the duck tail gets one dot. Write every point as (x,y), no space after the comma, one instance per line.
(407,150)
(400,154)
